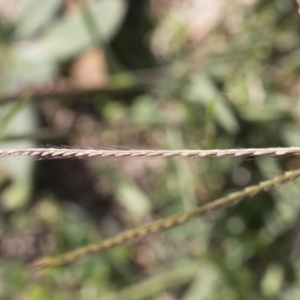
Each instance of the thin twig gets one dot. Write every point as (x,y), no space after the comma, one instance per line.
(164,224)
(64,153)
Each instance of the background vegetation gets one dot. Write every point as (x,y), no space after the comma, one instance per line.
(149,75)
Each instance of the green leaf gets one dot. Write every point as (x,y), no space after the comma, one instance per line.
(203,90)
(22,67)
(133,199)
(71,35)
(22,120)
(12,112)
(35,15)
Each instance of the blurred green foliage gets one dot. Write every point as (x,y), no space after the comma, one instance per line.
(169,86)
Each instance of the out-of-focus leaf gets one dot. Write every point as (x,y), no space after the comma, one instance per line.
(275,108)
(203,284)
(13,110)
(70,35)
(180,273)
(34,15)
(273,280)
(291,293)
(18,169)
(23,67)
(290,135)
(143,111)
(203,90)
(133,199)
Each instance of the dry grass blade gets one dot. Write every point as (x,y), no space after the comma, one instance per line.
(64,153)
(165,223)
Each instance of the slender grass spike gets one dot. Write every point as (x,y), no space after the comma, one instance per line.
(164,224)
(76,153)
